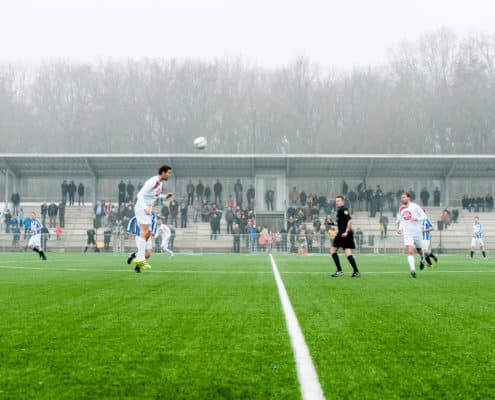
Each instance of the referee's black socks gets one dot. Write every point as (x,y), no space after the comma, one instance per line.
(352,261)
(36,250)
(336,260)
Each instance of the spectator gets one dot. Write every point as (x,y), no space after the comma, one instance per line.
(229,217)
(214,225)
(45,235)
(190,193)
(488,202)
(61,214)
(250,194)
(99,213)
(269,197)
(165,212)
(294,196)
(303,197)
(27,226)
(352,197)
(345,188)
(323,238)
(16,237)
(436,197)
(138,188)
(72,190)
(107,236)
(121,193)
(173,233)
(200,192)
(359,238)
(425,197)
(80,194)
(238,193)
(64,187)
(183,215)
(207,194)
(52,214)
(383,226)
(174,212)
(236,232)
(20,215)
(16,201)
(130,192)
(217,189)
(58,232)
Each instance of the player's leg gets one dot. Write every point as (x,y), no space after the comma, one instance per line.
(471,251)
(132,256)
(410,259)
(483,252)
(352,261)
(422,256)
(336,260)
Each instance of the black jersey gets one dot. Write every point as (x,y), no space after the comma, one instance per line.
(343,217)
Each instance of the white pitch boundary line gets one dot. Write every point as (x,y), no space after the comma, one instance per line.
(306,373)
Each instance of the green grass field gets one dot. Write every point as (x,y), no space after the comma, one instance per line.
(212,327)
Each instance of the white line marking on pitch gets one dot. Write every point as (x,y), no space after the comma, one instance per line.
(306,373)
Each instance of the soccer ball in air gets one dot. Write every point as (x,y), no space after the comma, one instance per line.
(200,143)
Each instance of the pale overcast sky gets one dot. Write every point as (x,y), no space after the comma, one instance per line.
(268,33)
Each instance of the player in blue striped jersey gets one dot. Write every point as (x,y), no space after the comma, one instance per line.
(426,229)
(133,228)
(35,239)
(477,240)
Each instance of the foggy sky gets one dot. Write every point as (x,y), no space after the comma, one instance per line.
(266,33)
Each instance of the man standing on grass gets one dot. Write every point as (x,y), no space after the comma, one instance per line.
(344,239)
(477,240)
(411,217)
(149,193)
(35,239)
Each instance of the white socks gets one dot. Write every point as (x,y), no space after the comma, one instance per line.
(410,260)
(141,245)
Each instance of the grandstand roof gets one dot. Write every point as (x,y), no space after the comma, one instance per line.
(245,165)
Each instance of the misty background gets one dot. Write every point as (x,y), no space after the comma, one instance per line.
(434,95)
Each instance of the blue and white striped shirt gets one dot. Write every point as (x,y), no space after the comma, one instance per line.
(477,231)
(427,225)
(133,226)
(35,227)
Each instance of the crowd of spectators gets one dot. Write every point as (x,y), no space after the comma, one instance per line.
(477,203)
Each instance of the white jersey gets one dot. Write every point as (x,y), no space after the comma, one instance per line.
(164,232)
(411,218)
(151,190)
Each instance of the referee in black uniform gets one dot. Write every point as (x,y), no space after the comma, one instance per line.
(344,238)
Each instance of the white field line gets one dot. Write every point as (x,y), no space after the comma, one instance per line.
(306,373)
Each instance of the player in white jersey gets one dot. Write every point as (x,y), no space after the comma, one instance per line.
(410,226)
(427,227)
(165,233)
(149,193)
(477,240)
(35,239)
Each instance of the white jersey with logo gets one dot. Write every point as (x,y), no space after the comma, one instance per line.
(477,240)
(411,219)
(151,190)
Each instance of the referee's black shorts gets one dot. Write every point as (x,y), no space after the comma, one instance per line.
(344,242)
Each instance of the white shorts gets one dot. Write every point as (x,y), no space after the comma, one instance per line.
(141,217)
(415,240)
(477,243)
(35,241)
(426,244)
